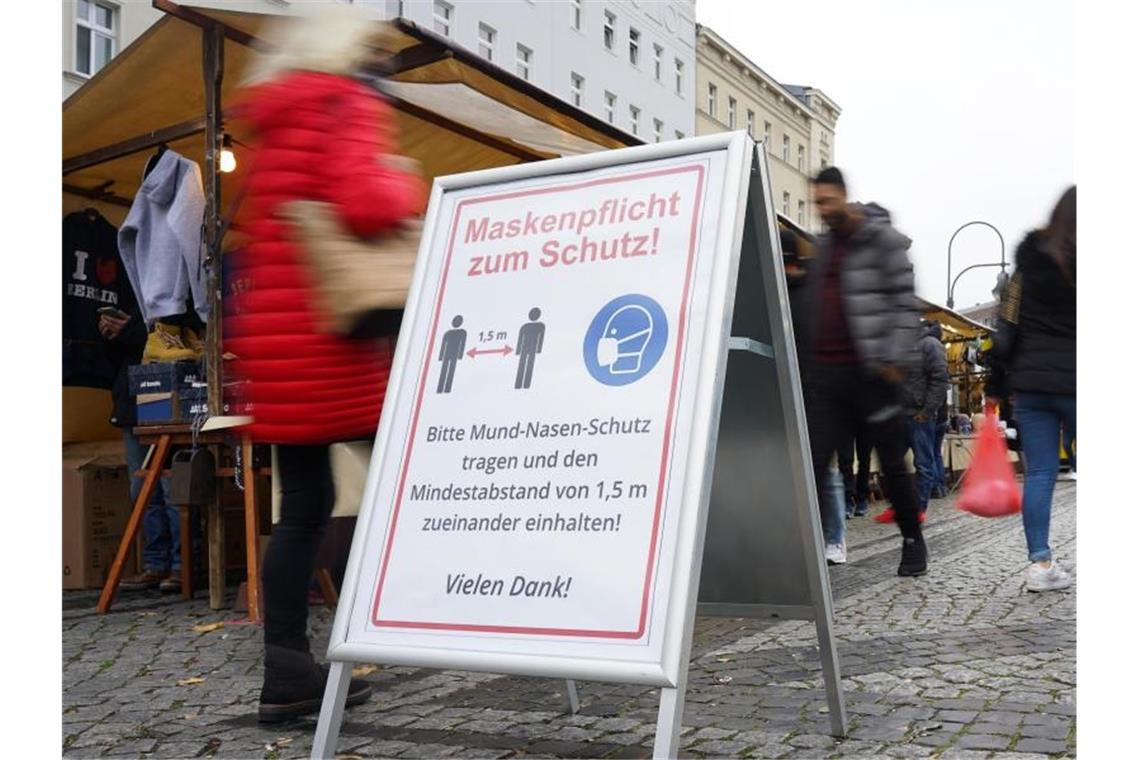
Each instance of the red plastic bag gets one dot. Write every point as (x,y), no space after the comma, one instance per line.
(989,488)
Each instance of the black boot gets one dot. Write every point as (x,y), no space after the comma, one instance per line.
(294,685)
(913,556)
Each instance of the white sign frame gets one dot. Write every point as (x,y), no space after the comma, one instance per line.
(671,673)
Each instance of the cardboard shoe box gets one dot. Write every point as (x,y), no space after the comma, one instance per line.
(96,507)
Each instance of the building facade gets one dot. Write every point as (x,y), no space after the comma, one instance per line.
(985,313)
(627,62)
(795,123)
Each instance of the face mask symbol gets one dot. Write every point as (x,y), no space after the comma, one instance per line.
(624,340)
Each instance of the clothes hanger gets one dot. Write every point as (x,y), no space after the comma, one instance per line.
(153,160)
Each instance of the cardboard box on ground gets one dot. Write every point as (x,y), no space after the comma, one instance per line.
(96,506)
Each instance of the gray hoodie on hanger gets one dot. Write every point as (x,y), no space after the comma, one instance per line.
(161,240)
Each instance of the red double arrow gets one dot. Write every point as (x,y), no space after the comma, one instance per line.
(504,351)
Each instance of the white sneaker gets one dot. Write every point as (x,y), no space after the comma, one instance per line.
(1053,579)
(835,554)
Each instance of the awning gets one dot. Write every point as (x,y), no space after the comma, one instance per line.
(955,326)
(456,112)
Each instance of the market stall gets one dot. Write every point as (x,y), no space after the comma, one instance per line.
(962,338)
(173,88)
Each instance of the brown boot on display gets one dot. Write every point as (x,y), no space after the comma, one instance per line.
(164,344)
(193,341)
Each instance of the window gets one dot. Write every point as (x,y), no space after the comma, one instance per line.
(679,74)
(576,14)
(751,123)
(94,36)
(787,202)
(522,61)
(731,112)
(768,135)
(441,18)
(608,30)
(634,46)
(634,118)
(658,51)
(800,213)
(611,103)
(487,41)
(679,135)
(658,125)
(577,85)
(787,150)
(800,157)
(712,100)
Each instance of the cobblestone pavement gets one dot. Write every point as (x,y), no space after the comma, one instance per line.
(961,663)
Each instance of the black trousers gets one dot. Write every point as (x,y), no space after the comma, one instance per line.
(307,499)
(856,484)
(841,401)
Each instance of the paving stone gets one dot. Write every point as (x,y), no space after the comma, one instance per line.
(1043,746)
(982,741)
(812,741)
(713,733)
(956,716)
(1053,732)
(720,748)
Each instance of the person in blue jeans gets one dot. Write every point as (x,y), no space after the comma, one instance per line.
(162,544)
(125,337)
(940,427)
(1036,346)
(926,387)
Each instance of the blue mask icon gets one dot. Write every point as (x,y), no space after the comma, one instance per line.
(624,339)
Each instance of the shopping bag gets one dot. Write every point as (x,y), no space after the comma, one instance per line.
(989,488)
(351,277)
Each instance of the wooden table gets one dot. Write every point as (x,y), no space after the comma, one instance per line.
(165,438)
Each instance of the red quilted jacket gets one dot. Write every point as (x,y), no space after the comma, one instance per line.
(318,137)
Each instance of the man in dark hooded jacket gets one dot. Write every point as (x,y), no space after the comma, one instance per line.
(926,387)
(861,343)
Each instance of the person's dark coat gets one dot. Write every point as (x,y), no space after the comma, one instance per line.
(929,378)
(878,292)
(1037,337)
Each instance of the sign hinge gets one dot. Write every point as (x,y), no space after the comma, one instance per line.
(752,346)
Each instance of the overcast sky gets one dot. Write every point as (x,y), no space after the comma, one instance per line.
(951,112)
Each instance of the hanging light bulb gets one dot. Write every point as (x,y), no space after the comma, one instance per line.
(227,161)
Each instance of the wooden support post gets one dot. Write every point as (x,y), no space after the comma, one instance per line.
(213,47)
(252,531)
(328,588)
(154,471)
(216,542)
(186,538)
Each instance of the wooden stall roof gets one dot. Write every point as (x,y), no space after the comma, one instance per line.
(954,325)
(455,111)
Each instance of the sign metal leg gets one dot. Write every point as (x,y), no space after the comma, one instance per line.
(571,697)
(332,711)
(836,708)
(668,739)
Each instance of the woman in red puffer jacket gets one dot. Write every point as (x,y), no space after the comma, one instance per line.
(320,134)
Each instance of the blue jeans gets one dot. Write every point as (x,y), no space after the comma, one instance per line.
(939,465)
(922,445)
(831,508)
(161,544)
(1039,419)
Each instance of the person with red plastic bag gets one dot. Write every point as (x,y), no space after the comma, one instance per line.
(321,133)
(1036,347)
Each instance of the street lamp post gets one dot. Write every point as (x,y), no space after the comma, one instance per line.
(950,284)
